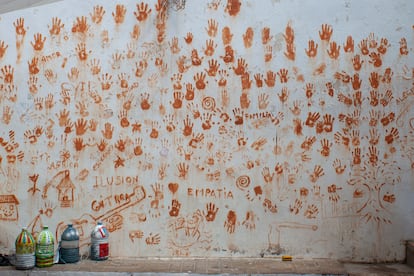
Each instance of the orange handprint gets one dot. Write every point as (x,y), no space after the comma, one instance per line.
(154,130)
(81,126)
(3,48)
(356,82)
(81,51)
(97,15)
(374,80)
(392,135)
(244,100)
(233,7)
(268,55)
(211,211)
(213,67)
(78,144)
(374,98)
(138,147)
(283,95)
(283,75)
(270,79)
(95,66)
(189,38)
(175,49)
(363,46)
(245,81)
(120,145)
(297,107)
(356,156)
(39,42)
(188,126)
(266,37)
(142,12)
(289,34)
(297,127)
(19,26)
(7,72)
(403,47)
(212,27)
(183,168)
(241,67)
(312,118)
(210,47)
(263,101)
(123,118)
(373,136)
(175,208)
(339,168)
(328,120)
(290,52)
(230,223)
(259,80)
(195,59)
(226,35)
(375,59)
(57,26)
(387,98)
(316,174)
(108,131)
(106,81)
(200,81)
(382,49)
(145,103)
(357,62)
(373,155)
(228,55)
(310,90)
(119,14)
(372,40)
(189,92)
(80,26)
(178,99)
(136,31)
(169,122)
(333,51)
(342,138)
(206,121)
(248,37)
(326,32)
(238,116)
(349,45)
(312,50)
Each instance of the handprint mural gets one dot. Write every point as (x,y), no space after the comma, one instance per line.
(244,130)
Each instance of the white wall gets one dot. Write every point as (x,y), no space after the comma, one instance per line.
(317,173)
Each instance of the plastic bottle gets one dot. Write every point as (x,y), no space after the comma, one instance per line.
(99,243)
(69,245)
(25,250)
(45,248)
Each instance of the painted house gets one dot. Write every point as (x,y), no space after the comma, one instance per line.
(8,208)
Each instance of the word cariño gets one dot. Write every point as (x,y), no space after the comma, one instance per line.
(210,192)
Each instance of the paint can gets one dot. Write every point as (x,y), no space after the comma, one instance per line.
(25,250)
(99,243)
(69,245)
(45,248)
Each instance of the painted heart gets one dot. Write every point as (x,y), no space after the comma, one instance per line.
(173,187)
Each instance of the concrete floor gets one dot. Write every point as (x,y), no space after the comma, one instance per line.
(204,266)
